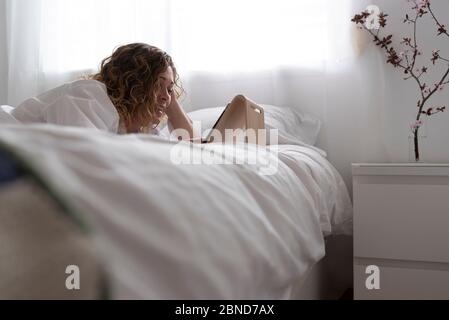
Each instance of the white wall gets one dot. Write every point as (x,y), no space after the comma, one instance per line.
(3,56)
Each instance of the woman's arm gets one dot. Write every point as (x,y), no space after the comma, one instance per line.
(179,119)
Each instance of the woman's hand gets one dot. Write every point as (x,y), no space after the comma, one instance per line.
(179,119)
(173,107)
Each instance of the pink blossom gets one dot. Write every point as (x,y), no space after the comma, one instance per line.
(419,4)
(416,125)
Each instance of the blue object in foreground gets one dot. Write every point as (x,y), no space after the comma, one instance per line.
(9,169)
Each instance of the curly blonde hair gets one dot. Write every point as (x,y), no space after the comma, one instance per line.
(131,76)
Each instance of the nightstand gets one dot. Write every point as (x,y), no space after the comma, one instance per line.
(401,231)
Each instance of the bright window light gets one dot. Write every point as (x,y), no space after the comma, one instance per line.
(215,36)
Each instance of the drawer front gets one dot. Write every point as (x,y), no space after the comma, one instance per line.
(401,221)
(400,284)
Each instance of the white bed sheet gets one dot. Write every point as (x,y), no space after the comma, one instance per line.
(189,231)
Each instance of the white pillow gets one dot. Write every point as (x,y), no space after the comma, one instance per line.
(6,117)
(294,127)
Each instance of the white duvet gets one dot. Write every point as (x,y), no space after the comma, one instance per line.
(169,231)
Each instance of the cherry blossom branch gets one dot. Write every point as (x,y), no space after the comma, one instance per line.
(421,8)
(437,86)
(441,28)
(393,57)
(415,39)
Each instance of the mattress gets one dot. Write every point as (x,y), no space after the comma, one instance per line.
(163,229)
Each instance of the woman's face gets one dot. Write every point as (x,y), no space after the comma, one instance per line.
(164,94)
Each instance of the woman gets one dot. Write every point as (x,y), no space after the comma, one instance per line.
(133,92)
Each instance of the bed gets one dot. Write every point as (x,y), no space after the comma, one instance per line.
(144,224)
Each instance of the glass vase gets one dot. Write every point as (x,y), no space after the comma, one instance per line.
(421,149)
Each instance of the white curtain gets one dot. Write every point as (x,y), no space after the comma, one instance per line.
(3,56)
(294,53)
(50,41)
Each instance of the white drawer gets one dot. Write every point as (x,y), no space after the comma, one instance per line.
(402,221)
(397,283)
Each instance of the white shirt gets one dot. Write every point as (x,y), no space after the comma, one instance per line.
(82,103)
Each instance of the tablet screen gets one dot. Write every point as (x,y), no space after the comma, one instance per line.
(216,123)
